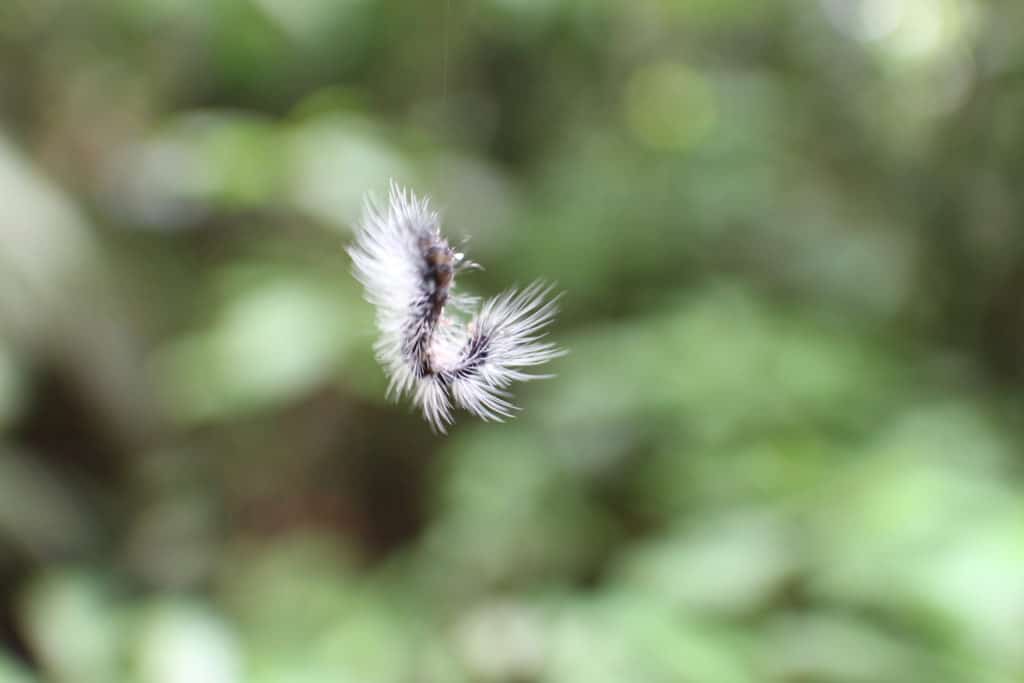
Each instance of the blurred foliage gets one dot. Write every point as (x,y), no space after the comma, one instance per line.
(786,446)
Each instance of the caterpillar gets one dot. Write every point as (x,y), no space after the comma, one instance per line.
(408,271)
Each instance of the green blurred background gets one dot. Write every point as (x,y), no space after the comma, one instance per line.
(787,444)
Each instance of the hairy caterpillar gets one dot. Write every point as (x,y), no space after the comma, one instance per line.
(408,270)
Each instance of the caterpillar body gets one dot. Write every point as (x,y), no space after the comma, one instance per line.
(408,272)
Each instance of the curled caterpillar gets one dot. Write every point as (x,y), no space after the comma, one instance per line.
(408,270)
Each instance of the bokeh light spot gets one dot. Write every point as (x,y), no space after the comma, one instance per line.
(669,106)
